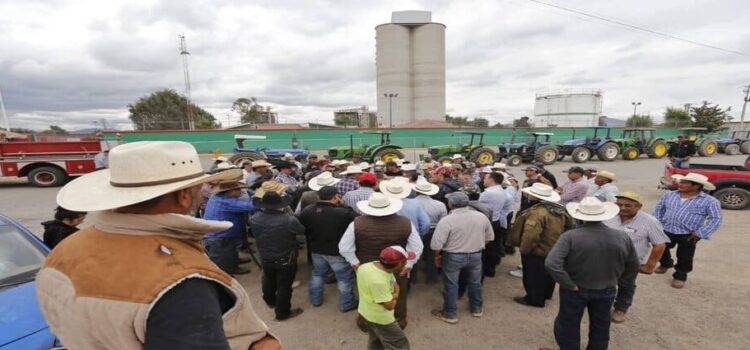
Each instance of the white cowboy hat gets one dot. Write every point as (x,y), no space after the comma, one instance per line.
(426,188)
(380,163)
(261,163)
(485,169)
(457,156)
(396,188)
(542,191)
(221,159)
(697,178)
(380,205)
(498,166)
(324,179)
(592,209)
(607,175)
(364,165)
(409,167)
(225,166)
(352,169)
(139,171)
(288,156)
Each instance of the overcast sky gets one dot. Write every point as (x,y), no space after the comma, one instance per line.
(73,62)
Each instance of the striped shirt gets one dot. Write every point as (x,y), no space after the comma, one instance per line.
(574,191)
(644,230)
(351,198)
(700,214)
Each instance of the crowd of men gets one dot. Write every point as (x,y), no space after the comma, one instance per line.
(374,230)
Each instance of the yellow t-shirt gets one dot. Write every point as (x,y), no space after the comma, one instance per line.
(375,286)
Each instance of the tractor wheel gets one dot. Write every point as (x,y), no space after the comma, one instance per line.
(546,154)
(658,150)
(388,154)
(745,147)
(630,153)
(515,160)
(238,158)
(608,152)
(581,155)
(482,156)
(445,160)
(733,198)
(708,148)
(47,176)
(732,149)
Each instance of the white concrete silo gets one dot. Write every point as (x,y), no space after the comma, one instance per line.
(568,107)
(410,62)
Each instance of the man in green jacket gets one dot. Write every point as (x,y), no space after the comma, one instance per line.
(536,231)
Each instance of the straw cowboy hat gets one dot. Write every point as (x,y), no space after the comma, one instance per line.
(395,188)
(270,186)
(352,169)
(633,196)
(498,166)
(225,186)
(380,205)
(607,175)
(324,179)
(542,191)
(592,209)
(139,171)
(424,187)
(696,178)
(261,163)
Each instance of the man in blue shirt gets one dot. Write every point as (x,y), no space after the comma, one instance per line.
(688,215)
(225,205)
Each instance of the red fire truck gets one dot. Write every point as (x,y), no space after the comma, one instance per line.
(48,164)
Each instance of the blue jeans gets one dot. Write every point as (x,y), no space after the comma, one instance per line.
(224,252)
(681,163)
(568,321)
(344,280)
(453,265)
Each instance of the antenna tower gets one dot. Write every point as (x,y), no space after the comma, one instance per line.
(186,73)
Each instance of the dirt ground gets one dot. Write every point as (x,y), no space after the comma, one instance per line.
(711,312)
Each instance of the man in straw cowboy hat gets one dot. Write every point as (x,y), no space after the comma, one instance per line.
(589,262)
(458,243)
(535,232)
(260,174)
(604,189)
(688,215)
(647,235)
(225,205)
(350,180)
(325,223)
(380,227)
(275,232)
(178,298)
(379,295)
(315,184)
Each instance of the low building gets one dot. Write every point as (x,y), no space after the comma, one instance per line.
(360,117)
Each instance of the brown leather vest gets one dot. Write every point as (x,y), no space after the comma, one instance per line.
(372,234)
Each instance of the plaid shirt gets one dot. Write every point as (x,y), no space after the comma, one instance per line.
(346,184)
(287,179)
(352,197)
(700,214)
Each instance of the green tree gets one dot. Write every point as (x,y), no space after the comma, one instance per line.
(676,118)
(711,117)
(54,129)
(522,122)
(480,122)
(23,131)
(167,110)
(639,121)
(344,120)
(498,125)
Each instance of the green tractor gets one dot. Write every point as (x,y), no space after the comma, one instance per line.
(706,145)
(637,141)
(475,152)
(384,151)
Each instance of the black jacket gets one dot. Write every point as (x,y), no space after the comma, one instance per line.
(548,175)
(681,150)
(55,231)
(325,223)
(276,233)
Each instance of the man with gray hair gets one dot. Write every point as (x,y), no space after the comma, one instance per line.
(458,242)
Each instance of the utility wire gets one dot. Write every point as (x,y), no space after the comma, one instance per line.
(631,26)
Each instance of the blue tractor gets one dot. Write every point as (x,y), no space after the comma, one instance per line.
(535,148)
(737,142)
(272,155)
(582,149)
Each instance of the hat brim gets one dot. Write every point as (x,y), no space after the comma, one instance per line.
(285,201)
(238,187)
(610,210)
(630,199)
(93,191)
(434,189)
(554,196)
(706,185)
(405,193)
(316,187)
(350,173)
(389,210)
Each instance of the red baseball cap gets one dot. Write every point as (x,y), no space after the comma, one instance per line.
(369,178)
(442,170)
(394,255)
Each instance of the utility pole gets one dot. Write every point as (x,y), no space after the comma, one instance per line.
(390,108)
(186,73)
(635,106)
(746,90)
(5,115)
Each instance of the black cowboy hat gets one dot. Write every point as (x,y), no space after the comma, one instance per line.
(273,200)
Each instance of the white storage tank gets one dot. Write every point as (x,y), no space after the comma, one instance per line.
(410,62)
(568,108)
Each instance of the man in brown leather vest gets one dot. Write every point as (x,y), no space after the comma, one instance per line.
(381,227)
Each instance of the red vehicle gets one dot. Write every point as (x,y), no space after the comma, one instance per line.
(732,182)
(48,164)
